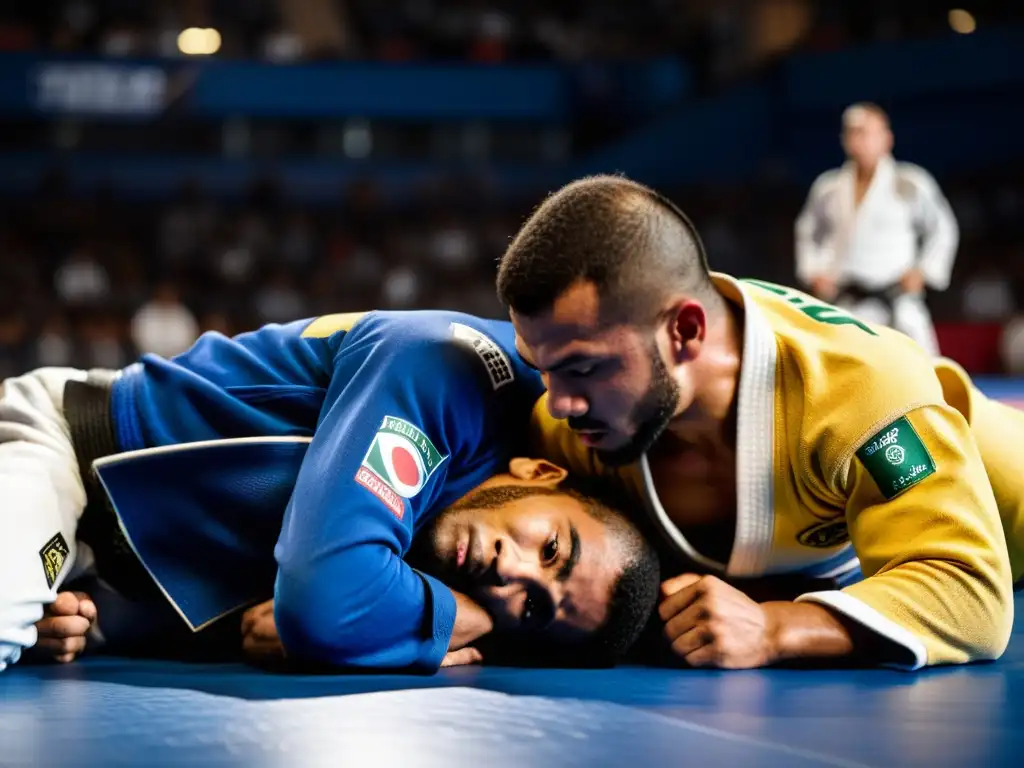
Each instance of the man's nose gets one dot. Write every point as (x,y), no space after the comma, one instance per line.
(512,566)
(563,403)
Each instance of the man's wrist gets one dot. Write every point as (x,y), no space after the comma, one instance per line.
(471,622)
(805,631)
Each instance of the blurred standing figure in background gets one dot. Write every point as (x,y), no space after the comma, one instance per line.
(875,233)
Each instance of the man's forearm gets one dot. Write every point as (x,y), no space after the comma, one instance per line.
(471,622)
(810,631)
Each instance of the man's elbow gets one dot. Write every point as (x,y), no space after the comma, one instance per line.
(310,632)
(348,624)
(996,629)
(986,623)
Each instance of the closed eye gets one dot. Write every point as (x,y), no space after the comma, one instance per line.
(582,372)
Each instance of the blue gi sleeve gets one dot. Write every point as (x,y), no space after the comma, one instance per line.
(399,432)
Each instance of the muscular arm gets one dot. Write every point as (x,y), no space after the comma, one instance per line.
(937,226)
(928,535)
(812,231)
(344,595)
(471,622)
(810,631)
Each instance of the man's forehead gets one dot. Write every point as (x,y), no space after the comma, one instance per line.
(575,313)
(565,342)
(861,117)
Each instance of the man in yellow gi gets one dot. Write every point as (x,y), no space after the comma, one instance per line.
(767,433)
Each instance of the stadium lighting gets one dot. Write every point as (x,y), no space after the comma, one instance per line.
(962,21)
(196,41)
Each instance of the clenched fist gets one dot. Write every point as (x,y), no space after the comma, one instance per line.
(261,644)
(712,624)
(64,628)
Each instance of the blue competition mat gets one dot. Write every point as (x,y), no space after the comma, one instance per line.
(107,712)
(111,712)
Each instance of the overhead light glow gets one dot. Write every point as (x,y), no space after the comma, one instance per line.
(198,41)
(961,21)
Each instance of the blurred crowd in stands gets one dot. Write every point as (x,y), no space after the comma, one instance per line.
(95,282)
(718,38)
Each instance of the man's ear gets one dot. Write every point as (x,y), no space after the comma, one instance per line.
(687,329)
(537,472)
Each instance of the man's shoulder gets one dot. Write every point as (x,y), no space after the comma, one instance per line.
(843,375)
(827,181)
(911,179)
(440,349)
(430,327)
(849,395)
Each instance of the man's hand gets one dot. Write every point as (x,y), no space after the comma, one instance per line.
(824,288)
(912,281)
(471,623)
(261,644)
(712,624)
(64,628)
(462,657)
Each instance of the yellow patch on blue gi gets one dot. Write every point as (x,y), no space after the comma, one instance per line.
(328,325)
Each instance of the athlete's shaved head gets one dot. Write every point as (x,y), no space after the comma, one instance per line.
(609,290)
(631,243)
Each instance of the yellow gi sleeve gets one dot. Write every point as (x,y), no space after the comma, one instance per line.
(998,431)
(923,520)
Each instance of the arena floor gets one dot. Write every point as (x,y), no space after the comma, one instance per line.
(113,712)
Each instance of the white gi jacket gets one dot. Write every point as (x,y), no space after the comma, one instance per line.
(903,221)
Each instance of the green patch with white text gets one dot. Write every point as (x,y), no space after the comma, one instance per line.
(896,458)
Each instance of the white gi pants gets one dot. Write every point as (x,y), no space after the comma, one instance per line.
(909,316)
(41,500)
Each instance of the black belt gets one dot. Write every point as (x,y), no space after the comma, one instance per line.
(87,410)
(855,293)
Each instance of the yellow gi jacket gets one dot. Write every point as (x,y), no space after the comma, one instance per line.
(856,448)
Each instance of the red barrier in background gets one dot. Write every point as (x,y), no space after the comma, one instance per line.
(974,345)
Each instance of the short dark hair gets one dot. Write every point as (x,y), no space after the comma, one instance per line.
(866,106)
(634,595)
(631,242)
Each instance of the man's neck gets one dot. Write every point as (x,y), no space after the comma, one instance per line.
(866,172)
(711,418)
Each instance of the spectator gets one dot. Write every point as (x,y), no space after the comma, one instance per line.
(1013,346)
(53,346)
(280,301)
(164,326)
(82,280)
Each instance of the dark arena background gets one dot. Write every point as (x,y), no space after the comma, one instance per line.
(172,167)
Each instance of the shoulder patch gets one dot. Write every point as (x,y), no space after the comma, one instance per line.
(328,325)
(398,463)
(906,189)
(896,458)
(825,535)
(498,366)
(54,554)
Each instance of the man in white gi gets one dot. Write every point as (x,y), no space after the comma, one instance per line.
(875,233)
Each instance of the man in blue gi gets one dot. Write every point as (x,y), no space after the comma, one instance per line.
(299,462)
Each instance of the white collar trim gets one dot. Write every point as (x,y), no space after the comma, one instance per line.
(755,443)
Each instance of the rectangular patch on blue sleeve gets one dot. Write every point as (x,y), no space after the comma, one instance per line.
(398,463)
(498,366)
